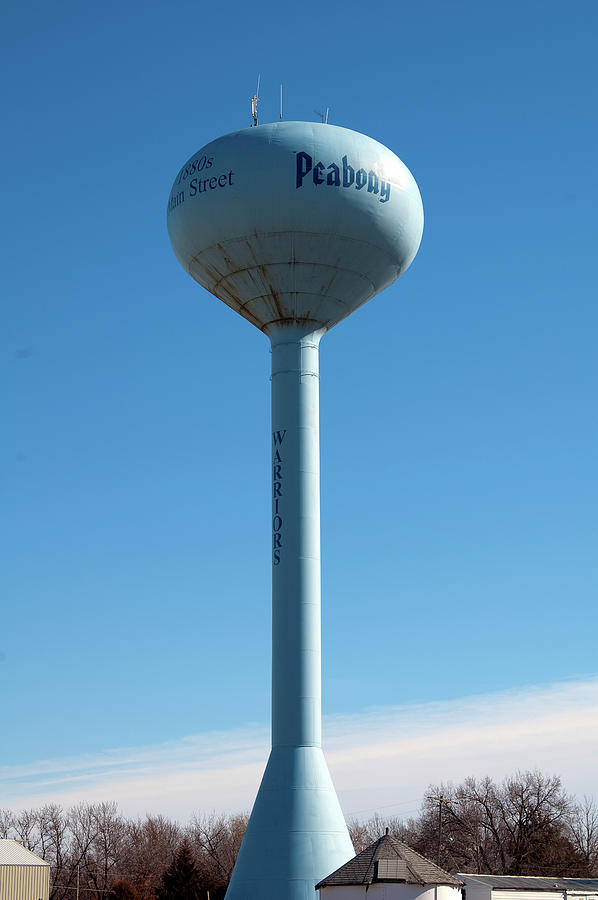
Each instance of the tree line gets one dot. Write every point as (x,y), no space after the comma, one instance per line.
(525,825)
(96,853)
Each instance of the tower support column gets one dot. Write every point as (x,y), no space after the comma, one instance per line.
(296,834)
(296,578)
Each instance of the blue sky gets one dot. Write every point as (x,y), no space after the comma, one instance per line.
(458,409)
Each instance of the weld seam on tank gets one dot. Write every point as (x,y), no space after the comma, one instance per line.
(312,234)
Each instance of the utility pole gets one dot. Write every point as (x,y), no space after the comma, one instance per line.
(439,800)
(77,895)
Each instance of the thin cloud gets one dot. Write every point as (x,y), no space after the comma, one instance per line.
(379,759)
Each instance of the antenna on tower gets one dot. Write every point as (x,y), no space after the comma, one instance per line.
(281,101)
(323,115)
(255,100)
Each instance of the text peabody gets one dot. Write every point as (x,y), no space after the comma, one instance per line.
(343,175)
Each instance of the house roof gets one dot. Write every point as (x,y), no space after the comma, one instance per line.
(14,854)
(531,882)
(388,859)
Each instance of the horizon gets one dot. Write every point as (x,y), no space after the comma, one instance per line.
(431,743)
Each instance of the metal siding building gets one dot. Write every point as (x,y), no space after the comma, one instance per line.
(23,875)
(527,887)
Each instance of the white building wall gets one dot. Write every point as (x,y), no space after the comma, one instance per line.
(526,895)
(388,890)
(476,891)
(24,882)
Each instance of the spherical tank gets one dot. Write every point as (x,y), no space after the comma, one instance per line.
(295,221)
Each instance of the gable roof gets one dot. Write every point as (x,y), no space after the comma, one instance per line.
(532,882)
(14,854)
(388,859)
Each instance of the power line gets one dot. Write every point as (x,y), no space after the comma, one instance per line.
(354,812)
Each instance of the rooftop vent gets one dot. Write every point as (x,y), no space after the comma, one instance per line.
(392,870)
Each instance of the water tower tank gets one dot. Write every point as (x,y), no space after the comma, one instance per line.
(295,221)
(294,225)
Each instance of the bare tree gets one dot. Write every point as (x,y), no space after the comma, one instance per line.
(96,832)
(103,854)
(365,833)
(583,833)
(6,823)
(148,850)
(26,828)
(359,834)
(518,827)
(216,841)
(55,848)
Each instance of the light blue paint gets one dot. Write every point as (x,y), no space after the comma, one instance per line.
(273,250)
(297,833)
(294,225)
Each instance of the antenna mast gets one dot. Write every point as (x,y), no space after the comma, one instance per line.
(323,115)
(281,101)
(255,100)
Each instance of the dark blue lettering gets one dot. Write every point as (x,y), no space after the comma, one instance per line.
(277,456)
(176,200)
(222,182)
(334,177)
(193,187)
(317,176)
(276,523)
(278,437)
(304,164)
(276,558)
(277,541)
(277,489)
(348,173)
(276,473)
(372,183)
(331,175)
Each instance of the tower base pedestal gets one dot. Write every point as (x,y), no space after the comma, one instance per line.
(296,834)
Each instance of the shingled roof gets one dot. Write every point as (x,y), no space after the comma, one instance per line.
(388,859)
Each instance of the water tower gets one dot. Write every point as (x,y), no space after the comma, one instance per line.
(294,225)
